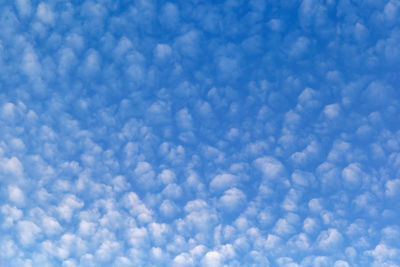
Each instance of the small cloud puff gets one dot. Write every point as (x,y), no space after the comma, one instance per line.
(270,167)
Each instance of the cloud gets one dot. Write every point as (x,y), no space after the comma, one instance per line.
(183,260)
(233,199)
(222,182)
(144,174)
(51,226)
(11,214)
(341,263)
(352,175)
(162,52)
(283,228)
(235,133)
(45,14)
(270,167)
(188,43)
(12,166)
(332,111)
(169,16)
(137,207)
(302,179)
(392,188)
(383,254)
(212,258)
(28,232)
(167,176)
(329,239)
(24,7)
(16,195)
(299,47)
(68,205)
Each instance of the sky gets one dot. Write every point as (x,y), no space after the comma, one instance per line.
(200,133)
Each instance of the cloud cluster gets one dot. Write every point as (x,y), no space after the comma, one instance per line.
(199,133)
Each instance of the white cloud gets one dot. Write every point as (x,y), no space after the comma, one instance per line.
(270,167)
(51,226)
(308,99)
(16,195)
(45,14)
(272,242)
(92,63)
(302,179)
(283,228)
(183,260)
(69,263)
(360,32)
(24,7)
(382,253)
(200,217)
(28,232)
(144,174)
(329,239)
(391,234)
(123,46)
(137,207)
(300,47)
(309,153)
(222,182)
(162,52)
(120,184)
(11,214)
(198,251)
(352,175)
(232,200)
(290,201)
(332,111)
(287,262)
(188,43)
(12,166)
(157,253)
(321,261)
(300,242)
(310,225)
(315,205)
(68,205)
(172,191)
(159,232)
(135,134)
(159,112)
(86,228)
(341,263)
(8,249)
(212,259)
(229,68)
(184,119)
(9,111)
(107,250)
(138,237)
(392,188)
(168,208)
(167,176)
(169,16)
(378,93)
(275,25)
(67,61)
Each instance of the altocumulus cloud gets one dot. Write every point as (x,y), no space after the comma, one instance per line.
(199,133)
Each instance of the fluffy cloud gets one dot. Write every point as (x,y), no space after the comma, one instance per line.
(236,133)
(28,232)
(270,167)
(329,239)
(223,181)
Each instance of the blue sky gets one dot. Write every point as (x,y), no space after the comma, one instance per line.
(199,133)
